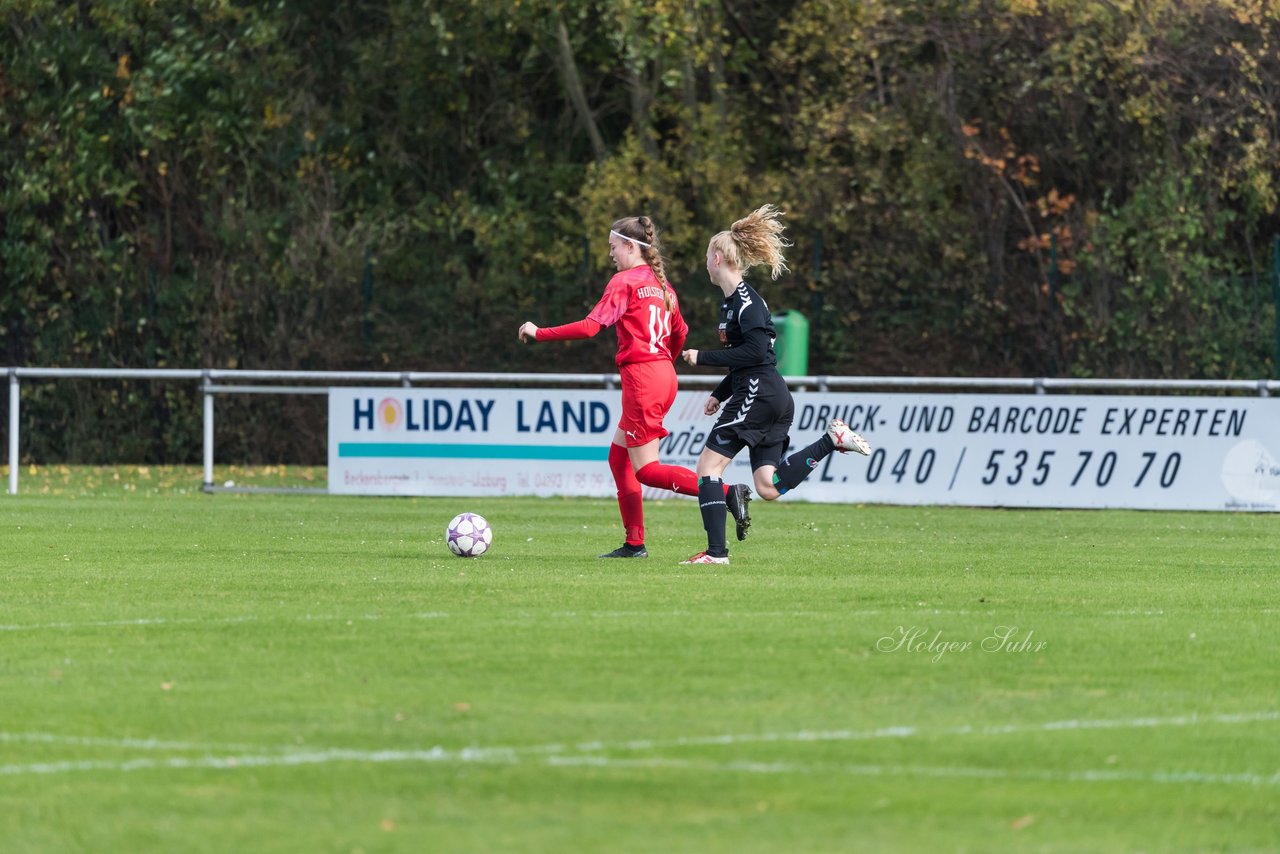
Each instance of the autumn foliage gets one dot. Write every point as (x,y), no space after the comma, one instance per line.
(974,187)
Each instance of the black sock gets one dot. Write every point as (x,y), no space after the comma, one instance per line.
(795,468)
(714,511)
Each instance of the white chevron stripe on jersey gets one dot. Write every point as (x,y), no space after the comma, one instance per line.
(753,386)
(746,298)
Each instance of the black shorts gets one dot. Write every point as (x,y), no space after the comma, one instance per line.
(758,416)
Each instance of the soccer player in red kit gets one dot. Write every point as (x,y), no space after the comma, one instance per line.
(640,304)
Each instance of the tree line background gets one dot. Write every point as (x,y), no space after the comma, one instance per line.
(974,187)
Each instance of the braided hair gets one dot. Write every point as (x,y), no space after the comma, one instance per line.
(755,239)
(642,230)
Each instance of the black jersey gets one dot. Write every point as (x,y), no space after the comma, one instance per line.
(758,408)
(747,333)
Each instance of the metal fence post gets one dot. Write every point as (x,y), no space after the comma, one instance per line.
(208,432)
(15,395)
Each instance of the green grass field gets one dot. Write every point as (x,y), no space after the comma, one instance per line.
(185,672)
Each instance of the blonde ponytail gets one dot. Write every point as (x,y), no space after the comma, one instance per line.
(755,239)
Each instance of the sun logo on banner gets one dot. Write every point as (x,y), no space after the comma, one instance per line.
(390,414)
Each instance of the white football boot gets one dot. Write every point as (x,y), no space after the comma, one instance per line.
(846,440)
(703,557)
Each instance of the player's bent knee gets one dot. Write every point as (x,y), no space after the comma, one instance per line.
(765,488)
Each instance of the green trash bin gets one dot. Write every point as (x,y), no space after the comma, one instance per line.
(792,345)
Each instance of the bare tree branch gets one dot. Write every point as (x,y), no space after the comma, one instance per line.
(572,83)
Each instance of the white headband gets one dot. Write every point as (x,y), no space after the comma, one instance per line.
(632,239)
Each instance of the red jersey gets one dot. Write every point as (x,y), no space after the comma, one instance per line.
(636,302)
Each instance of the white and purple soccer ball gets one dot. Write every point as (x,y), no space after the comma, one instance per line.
(469,535)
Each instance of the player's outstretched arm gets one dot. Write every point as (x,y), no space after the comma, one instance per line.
(585,328)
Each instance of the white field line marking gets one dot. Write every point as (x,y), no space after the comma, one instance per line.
(500,756)
(911,732)
(941,771)
(520,616)
(188,621)
(129,743)
(315,757)
(1136,612)
(527,616)
(582,753)
(154,621)
(605,615)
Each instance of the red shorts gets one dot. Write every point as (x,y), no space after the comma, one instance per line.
(648,393)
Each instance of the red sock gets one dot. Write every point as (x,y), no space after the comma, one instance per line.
(675,478)
(630,499)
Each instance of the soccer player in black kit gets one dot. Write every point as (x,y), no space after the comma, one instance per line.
(760,408)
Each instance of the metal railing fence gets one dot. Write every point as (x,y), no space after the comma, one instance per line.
(214,382)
